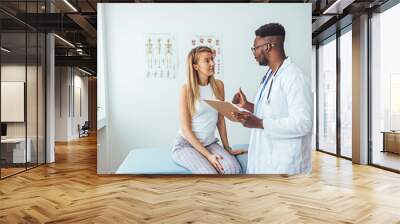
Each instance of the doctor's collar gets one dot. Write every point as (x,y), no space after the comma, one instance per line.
(285,62)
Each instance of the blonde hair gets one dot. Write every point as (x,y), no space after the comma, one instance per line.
(193,94)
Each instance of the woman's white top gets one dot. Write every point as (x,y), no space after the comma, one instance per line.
(204,120)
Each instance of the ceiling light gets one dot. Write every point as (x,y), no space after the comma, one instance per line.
(338,6)
(84,71)
(70,5)
(5,50)
(65,41)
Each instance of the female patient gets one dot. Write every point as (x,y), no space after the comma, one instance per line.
(196,147)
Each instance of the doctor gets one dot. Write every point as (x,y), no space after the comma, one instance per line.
(281,118)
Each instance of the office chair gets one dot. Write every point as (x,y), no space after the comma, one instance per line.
(84,130)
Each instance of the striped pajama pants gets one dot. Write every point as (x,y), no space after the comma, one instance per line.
(187,156)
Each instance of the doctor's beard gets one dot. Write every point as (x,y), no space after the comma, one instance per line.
(263,61)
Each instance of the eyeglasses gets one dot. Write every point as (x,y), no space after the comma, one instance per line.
(253,49)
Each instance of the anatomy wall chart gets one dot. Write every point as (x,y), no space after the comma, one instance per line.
(214,42)
(161,56)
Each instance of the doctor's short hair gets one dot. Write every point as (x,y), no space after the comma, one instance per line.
(271,29)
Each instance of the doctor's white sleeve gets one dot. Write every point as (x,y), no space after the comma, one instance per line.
(299,121)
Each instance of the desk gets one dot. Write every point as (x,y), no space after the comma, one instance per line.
(16,148)
(391,141)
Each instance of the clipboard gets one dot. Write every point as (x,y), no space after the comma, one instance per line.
(225,108)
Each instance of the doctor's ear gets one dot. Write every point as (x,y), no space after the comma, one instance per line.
(267,48)
(195,67)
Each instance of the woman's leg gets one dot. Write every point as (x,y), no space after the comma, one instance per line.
(229,162)
(185,155)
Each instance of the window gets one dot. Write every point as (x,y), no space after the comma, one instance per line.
(22,77)
(327,97)
(346,94)
(385,89)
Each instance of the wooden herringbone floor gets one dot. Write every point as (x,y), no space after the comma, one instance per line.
(70,191)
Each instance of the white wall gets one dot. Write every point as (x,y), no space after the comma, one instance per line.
(61,103)
(103,150)
(314,91)
(80,84)
(144,112)
(67,83)
(50,95)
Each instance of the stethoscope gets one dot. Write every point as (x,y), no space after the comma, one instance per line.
(267,76)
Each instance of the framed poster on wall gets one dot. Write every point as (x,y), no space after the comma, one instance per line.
(12,101)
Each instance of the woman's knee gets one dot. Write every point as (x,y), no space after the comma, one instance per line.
(232,167)
(193,162)
(205,170)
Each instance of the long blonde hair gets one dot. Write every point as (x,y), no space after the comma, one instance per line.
(193,94)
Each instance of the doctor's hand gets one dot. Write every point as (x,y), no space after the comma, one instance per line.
(248,119)
(240,99)
(214,160)
(236,152)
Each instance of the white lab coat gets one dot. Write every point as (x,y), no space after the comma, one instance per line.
(284,145)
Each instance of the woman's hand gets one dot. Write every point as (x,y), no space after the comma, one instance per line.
(214,160)
(236,152)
